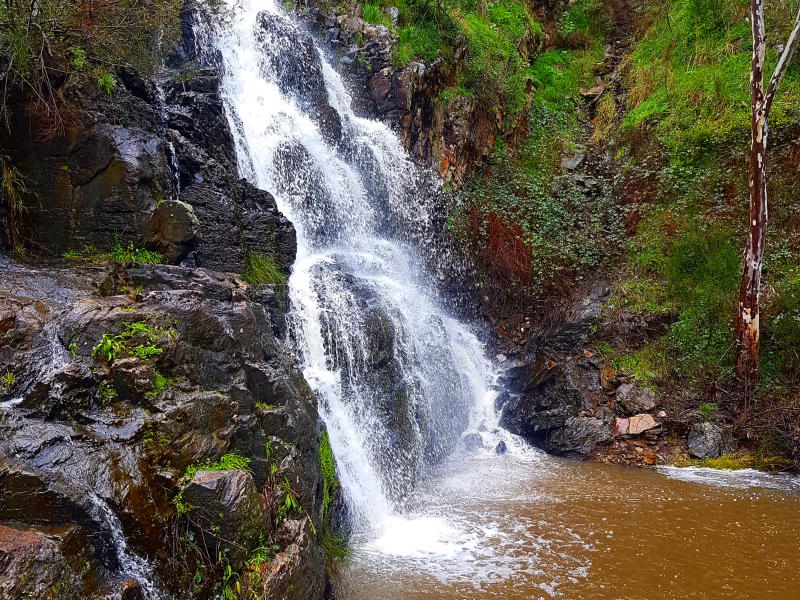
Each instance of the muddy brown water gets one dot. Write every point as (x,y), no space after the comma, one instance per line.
(534,527)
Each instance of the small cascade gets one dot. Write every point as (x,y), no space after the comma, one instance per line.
(398,378)
(130,565)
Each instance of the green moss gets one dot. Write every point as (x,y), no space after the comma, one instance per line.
(648,366)
(328,468)
(262,270)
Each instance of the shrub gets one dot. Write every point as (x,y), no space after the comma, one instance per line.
(47,45)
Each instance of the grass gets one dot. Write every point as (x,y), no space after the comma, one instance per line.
(416,42)
(373,14)
(261,270)
(118,253)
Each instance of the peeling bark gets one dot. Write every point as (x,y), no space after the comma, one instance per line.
(747,323)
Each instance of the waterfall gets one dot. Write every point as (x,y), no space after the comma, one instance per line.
(398,378)
(131,565)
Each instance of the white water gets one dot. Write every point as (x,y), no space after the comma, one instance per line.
(130,565)
(398,378)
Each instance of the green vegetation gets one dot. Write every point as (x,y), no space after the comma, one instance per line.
(373,13)
(117,253)
(139,339)
(261,270)
(230,461)
(107,391)
(328,468)
(524,220)
(49,46)
(497,38)
(13,188)
(8,381)
(734,462)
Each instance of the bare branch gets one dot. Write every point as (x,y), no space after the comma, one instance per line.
(783,62)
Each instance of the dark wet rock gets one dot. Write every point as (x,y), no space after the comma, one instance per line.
(166,180)
(228,504)
(578,437)
(543,395)
(707,440)
(43,564)
(635,399)
(77,448)
(501,447)
(132,379)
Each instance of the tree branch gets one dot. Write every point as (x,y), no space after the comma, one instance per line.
(783,63)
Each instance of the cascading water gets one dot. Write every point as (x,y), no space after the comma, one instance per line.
(398,378)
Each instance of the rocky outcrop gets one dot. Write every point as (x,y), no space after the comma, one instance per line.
(451,133)
(120,377)
(83,437)
(45,563)
(152,165)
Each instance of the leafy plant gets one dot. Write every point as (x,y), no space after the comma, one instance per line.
(290,505)
(110,348)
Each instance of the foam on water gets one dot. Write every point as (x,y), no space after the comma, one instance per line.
(740,478)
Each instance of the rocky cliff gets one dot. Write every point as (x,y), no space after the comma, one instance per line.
(157,438)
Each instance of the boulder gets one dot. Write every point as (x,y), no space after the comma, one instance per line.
(707,440)
(227,503)
(297,572)
(635,399)
(579,437)
(635,425)
(32,565)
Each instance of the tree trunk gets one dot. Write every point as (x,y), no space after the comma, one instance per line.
(747,323)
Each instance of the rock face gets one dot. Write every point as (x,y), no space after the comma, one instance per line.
(167,180)
(123,376)
(35,564)
(81,438)
(230,503)
(453,136)
(548,403)
(707,440)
